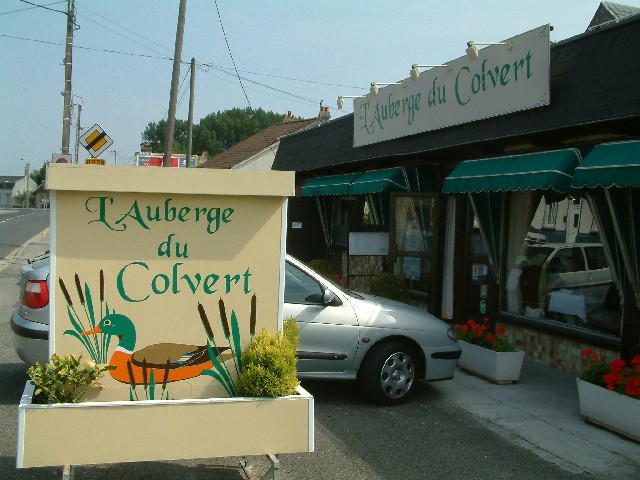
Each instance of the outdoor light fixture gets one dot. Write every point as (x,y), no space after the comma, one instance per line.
(341,100)
(472,48)
(374,86)
(415,72)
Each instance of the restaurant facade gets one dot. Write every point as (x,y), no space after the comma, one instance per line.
(503,184)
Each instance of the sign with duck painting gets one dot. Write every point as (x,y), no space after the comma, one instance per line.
(165,274)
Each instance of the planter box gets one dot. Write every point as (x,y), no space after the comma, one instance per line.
(499,367)
(608,409)
(114,432)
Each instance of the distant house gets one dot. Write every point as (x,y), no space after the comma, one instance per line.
(258,151)
(11,186)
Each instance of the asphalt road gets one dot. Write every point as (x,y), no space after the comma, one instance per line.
(429,437)
(18,225)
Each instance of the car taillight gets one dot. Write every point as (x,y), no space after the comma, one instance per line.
(36,294)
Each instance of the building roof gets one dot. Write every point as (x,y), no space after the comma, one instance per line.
(609,11)
(8,181)
(255,144)
(594,80)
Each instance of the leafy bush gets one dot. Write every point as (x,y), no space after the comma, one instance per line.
(324,267)
(270,363)
(389,286)
(616,375)
(63,380)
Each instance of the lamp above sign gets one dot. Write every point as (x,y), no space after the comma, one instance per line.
(505,78)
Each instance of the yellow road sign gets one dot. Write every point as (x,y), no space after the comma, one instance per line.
(95,140)
(95,161)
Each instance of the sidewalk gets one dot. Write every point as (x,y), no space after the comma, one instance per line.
(541,414)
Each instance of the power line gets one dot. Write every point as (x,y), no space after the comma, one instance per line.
(35,5)
(31,8)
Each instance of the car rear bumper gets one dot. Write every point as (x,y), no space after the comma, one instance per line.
(30,339)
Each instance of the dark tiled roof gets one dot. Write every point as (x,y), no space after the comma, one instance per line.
(11,178)
(609,11)
(255,144)
(594,82)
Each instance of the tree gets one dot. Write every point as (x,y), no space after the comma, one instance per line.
(39,176)
(215,132)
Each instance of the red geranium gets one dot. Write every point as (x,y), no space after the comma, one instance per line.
(481,334)
(615,376)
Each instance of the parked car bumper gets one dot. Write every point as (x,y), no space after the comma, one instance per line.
(30,339)
(441,362)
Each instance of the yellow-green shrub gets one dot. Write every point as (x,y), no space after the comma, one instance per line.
(270,363)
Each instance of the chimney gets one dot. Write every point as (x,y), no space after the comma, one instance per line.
(324,113)
(288,117)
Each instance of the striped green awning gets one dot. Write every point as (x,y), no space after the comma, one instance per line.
(376,181)
(533,171)
(610,165)
(332,185)
(357,183)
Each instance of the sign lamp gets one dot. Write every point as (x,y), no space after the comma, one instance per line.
(472,48)
(415,72)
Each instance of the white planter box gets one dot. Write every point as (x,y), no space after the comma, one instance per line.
(114,432)
(611,410)
(499,367)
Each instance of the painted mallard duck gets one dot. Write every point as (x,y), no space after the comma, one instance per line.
(178,361)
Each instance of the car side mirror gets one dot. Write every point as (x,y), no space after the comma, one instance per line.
(328,296)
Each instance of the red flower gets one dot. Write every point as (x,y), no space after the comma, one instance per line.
(464,329)
(612,379)
(500,330)
(490,337)
(587,352)
(470,322)
(617,365)
(633,386)
(635,361)
(596,356)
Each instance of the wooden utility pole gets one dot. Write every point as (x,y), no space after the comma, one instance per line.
(192,86)
(175,79)
(68,60)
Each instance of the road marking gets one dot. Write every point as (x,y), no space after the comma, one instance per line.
(17,253)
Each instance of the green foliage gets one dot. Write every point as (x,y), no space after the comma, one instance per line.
(324,267)
(389,286)
(39,175)
(215,132)
(63,380)
(270,363)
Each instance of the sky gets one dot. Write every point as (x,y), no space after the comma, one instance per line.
(278,55)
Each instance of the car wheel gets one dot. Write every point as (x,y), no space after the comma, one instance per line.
(388,373)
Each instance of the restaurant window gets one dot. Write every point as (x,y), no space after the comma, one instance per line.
(560,272)
(413,241)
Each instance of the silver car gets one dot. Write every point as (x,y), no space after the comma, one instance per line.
(385,346)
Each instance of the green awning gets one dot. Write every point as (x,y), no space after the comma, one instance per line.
(610,165)
(357,183)
(533,171)
(376,181)
(332,185)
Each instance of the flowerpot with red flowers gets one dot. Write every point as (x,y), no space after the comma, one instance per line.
(488,354)
(609,393)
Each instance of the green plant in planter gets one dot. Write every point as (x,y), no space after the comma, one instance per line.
(270,363)
(64,380)
(389,286)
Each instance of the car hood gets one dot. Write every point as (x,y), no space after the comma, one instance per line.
(380,312)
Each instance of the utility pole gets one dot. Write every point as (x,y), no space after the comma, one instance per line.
(78,128)
(115,157)
(175,79)
(192,86)
(68,60)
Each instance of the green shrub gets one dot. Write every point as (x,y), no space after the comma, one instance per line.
(389,286)
(270,363)
(324,267)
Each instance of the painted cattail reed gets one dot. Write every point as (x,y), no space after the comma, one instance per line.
(144,372)
(166,374)
(223,318)
(252,316)
(205,321)
(101,286)
(65,292)
(79,289)
(132,379)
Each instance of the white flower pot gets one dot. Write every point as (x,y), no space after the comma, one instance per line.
(499,367)
(609,409)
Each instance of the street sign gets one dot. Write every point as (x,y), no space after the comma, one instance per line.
(61,158)
(95,161)
(95,140)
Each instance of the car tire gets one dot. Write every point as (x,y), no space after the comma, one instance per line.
(388,373)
